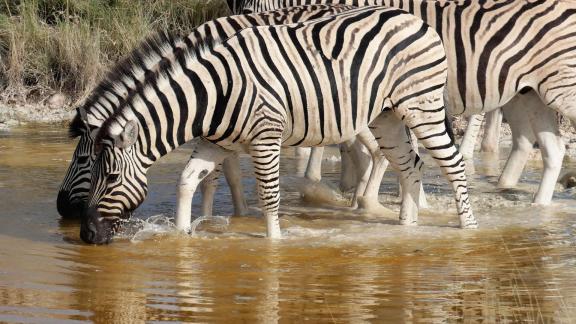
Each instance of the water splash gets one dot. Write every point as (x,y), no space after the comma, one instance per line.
(222,220)
(138,230)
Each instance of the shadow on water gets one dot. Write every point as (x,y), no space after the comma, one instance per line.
(334,265)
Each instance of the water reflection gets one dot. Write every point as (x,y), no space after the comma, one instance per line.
(334,265)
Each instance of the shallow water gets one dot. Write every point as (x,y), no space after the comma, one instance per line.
(334,265)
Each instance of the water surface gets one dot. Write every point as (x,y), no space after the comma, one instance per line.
(334,265)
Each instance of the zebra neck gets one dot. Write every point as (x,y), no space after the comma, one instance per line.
(180,105)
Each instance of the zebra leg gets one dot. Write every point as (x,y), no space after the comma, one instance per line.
(398,148)
(369,196)
(233,175)
(364,163)
(314,168)
(347,169)
(265,152)
(205,158)
(491,139)
(429,127)
(423,203)
(470,136)
(552,148)
(208,188)
(523,139)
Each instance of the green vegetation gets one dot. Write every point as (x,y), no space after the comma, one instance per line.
(67,45)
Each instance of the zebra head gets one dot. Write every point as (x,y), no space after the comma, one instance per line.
(119,184)
(73,191)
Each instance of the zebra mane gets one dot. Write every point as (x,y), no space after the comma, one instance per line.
(165,68)
(160,44)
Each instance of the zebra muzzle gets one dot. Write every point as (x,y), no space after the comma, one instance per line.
(96,229)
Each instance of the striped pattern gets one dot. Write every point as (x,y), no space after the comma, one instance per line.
(129,75)
(497,50)
(281,85)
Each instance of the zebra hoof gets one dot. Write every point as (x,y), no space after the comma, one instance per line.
(408,222)
(470,225)
(373,206)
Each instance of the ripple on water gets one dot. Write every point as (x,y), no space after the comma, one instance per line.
(334,264)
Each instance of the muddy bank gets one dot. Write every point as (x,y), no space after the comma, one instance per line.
(14,115)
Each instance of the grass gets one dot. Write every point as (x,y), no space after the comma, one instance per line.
(66,46)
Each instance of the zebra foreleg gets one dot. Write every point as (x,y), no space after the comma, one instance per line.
(233,176)
(265,152)
(314,168)
(208,187)
(523,139)
(204,159)
(491,140)
(348,171)
(552,149)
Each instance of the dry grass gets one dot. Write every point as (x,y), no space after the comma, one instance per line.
(66,46)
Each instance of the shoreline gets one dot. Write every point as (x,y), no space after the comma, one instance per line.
(19,115)
(23,114)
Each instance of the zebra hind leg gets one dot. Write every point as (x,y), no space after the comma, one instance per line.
(428,124)
(396,146)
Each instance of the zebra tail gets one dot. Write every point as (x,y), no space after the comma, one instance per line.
(449,129)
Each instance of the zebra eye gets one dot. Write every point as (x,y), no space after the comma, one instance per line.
(113,177)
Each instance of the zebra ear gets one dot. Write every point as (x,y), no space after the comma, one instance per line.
(128,136)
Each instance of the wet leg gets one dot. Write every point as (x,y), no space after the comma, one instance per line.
(469,140)
(204,159)
(428,123)
(369,195)
(396,145)
(314,168)
(491,140)
(348,178)
(265,152)
(208,188)
(552,148)
(233,175)
(517,113)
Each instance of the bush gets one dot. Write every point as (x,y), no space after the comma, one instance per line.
(66,46)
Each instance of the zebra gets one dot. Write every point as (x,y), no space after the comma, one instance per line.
(497,50)
(131,72)
(284,85)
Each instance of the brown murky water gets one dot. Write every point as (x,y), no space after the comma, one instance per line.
(333,266)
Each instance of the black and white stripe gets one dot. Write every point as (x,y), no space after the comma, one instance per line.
(497,50)
(129,74)
(270,86)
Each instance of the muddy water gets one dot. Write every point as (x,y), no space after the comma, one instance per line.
(334,265)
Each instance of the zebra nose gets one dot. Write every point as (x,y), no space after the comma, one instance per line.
(94,229)
(67,208)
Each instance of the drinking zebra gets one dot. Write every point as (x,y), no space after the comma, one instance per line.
(268,86)
(496,50)
(130,73)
